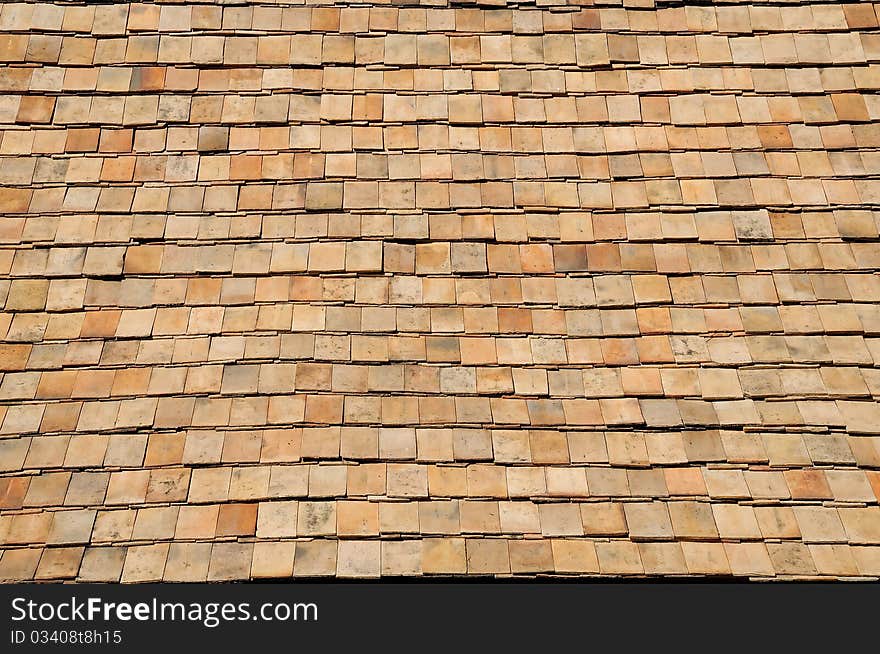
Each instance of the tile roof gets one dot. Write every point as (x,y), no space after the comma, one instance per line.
(399,289)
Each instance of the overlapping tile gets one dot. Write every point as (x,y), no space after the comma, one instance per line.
(500,289)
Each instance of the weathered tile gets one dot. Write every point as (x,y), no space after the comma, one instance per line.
(544,278)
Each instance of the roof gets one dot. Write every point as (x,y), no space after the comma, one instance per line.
(297,290)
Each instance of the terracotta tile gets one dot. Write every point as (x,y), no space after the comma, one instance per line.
(662,558)
(359,559)
(145,563)
(619,557)
(357,519)
(443,556)
(102,564)
(19,564)
(791,559)
(648,521)
(705,558)
(315,558)
(582,309)
(196,521)
(187,562)
(230,561)
(272,560)
(237,520)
